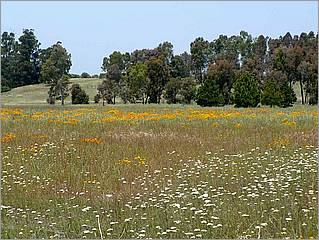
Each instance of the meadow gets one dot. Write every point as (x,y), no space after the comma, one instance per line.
(158,171)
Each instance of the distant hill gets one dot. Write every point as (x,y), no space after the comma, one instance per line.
(38,93)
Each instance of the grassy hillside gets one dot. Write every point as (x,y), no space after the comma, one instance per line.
(37,94)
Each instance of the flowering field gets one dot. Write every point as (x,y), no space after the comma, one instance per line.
(159,172)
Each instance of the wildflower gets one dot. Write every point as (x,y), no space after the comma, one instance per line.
(91,140)
(288,123)
(86,209)
(8,137)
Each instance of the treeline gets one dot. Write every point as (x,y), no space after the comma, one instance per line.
(24,63)
(239,70)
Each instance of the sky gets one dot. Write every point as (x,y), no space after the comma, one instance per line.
(91,30)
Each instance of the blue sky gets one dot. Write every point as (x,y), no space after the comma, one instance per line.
(92,30)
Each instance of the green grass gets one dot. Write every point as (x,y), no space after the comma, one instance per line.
(158,172)
(38,93)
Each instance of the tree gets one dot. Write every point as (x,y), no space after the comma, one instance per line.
(54,71)
(311,87)
(199,53)
(116,66)
(74,75)
(59,89)
(78,95)
(8,51)
(223,72)
(209,93)
(246,90)
(137,82)
(277,91)
(295,56)
(158,75)
(229,49)
(180,90)
(271,95)
(178,67)
(304,69)
(85,75)
(244,45)
(116,58)
(188,90)
(172,88)
(20,63)
(187,60)
(114,77)
(287,61)
(124,92)
(97,98)
(256,63)
(287,40)
(289,96)
(28,64)
(144,55)
(105,91)
(166,49)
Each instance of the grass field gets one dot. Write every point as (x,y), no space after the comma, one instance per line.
(158,171)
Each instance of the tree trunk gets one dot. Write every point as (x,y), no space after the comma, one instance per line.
(307,91)
(102,101)
(301,90)
(114,100)
(62,98)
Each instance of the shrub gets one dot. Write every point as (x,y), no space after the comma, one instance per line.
(313,100)
(51,100)
(246,90)
(277,91)
(78,95)
(288,95)
(85,75)
(209,94)
(73,75)
(5,88)
(97,98)
(272,95)
(102,75)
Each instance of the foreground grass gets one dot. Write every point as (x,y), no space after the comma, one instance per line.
(159,172)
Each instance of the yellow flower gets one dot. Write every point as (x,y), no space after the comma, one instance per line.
(125,162)
(215,124)
(91,140)
(8,137)
(288,123)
